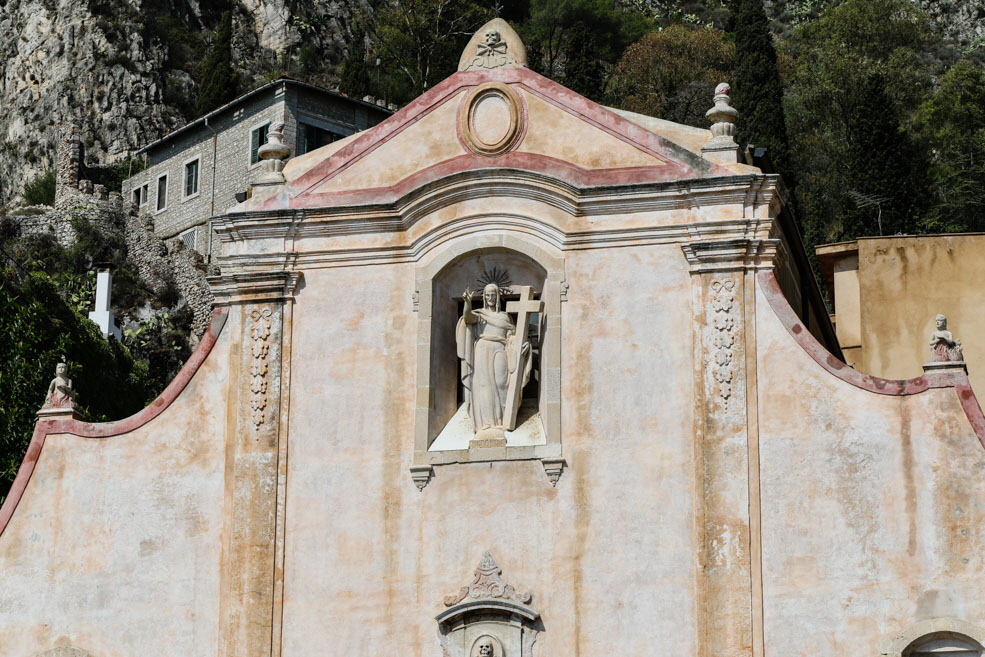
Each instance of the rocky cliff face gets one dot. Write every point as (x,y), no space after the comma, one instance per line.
(63,63)
(123,69)
(107,66)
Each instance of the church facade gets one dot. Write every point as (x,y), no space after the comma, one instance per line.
(509,374)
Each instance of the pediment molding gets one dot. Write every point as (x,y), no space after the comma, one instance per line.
(676,162)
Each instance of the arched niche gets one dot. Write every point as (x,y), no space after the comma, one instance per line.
(63,651)
(440,282)
(943,637)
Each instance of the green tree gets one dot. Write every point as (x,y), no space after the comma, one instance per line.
(756,88)
(420,42)
(584,70)
(952,122)
(42,330)
(672,74)
(355,79)
(578,42)
(219,82)
(860,73)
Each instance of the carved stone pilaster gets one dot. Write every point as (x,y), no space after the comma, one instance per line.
(260,312)
(726,437)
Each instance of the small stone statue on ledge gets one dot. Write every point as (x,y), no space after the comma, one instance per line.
(944,348)
(61,395)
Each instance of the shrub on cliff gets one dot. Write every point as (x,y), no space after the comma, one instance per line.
(40,190)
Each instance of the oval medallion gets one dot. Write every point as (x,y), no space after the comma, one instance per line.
(491,120)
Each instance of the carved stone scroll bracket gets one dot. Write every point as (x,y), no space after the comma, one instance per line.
(553,468)
(421,474)
(490,613)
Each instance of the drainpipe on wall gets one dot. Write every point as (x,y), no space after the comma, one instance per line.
(215,137)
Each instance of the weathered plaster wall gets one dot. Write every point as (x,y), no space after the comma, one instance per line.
(608,550)
(114,547)
(872,517)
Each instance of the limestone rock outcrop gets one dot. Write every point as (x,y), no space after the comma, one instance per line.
(97,63)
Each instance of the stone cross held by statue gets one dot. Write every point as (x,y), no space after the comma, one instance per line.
(525,305)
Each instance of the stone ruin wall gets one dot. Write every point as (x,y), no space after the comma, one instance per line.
(157,262)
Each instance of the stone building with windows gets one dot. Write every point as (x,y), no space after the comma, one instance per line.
(510,374)
(201,168)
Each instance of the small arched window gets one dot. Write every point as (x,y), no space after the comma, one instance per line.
(944,644)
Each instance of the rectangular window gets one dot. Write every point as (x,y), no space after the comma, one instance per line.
(140,195)
(162,192)
(311,137)
(258,137)
(188,238)
(191,178)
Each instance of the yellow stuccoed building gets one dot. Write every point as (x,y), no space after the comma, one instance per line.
(887,291)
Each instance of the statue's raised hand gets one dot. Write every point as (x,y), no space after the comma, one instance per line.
(467,298)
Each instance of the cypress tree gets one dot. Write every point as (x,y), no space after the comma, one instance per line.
(757,92)
(218,79)
(355,80)
(583,71)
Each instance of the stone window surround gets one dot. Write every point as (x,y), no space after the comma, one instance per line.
(197,157)
(945,627)
(250,164)
(142,194)
(158,208)
(550,365)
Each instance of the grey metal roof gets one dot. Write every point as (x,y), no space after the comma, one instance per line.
(249,94)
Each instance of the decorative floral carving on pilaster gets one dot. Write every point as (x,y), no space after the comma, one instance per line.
(260,346)
(488,583)
(723,302)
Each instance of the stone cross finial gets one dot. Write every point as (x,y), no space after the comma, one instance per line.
(273,154)
(722,147)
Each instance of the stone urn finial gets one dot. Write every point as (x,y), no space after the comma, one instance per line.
(273,154)
(723,117)
(721,147)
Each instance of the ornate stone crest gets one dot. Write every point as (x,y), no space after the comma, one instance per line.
(488,583)
(488,618)
(494,45)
